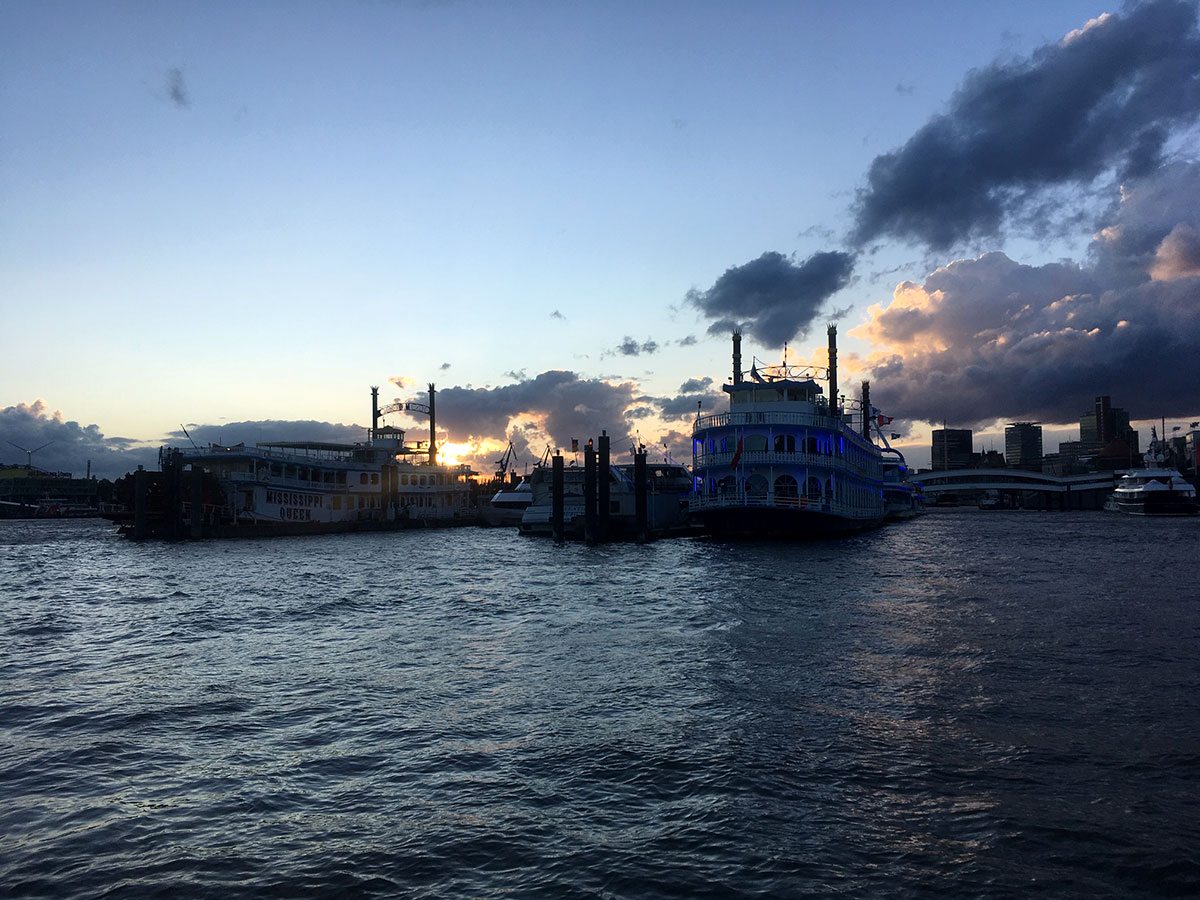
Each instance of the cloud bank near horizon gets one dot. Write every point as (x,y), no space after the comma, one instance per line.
(990,338)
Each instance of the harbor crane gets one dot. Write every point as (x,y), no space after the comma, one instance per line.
(29,453)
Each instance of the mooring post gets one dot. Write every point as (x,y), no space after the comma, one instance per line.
(641,527)
(556,499)
(603,491)
(589,493)
(139,504)
(197,500)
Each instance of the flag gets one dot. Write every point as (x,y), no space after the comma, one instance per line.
(737,456)
(884,420)
(895,437)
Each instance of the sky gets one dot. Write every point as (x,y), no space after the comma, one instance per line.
(237,218)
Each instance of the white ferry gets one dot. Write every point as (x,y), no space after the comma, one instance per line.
(1156,489)
(784,461)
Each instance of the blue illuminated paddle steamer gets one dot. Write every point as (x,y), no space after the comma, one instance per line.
(785,460)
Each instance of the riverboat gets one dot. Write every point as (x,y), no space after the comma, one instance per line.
(785,460)
(300,487)
(1154,490)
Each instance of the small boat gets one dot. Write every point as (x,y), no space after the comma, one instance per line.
(1154,490)
(991,500)
(507,505)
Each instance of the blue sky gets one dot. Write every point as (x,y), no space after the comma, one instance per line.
(242,213)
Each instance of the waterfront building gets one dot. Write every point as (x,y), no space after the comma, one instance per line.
(952,449)
(1023,446)
(1106,423)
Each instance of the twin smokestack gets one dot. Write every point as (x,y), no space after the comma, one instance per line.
(737,365)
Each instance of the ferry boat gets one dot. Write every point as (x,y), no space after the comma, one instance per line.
(299,487)
(785,461)
(903,498)
(1156,489)
(507,505)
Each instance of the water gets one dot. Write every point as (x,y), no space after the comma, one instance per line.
(967,705)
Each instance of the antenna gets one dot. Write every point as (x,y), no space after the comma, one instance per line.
(29,453)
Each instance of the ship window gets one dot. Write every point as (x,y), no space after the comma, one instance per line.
(755,443)
(341,477)
(362,477)
(785,443)
(337,502)
(787,492)
(728,485)
(374,478)
(812,489)
(756,486)
(812,445)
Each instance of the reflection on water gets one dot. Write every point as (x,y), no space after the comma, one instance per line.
(965,705)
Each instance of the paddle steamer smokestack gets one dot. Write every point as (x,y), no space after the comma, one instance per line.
(866,422)
(737,357)
(432,429)
(374,412)
(833,388)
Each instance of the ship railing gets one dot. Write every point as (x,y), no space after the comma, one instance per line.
(724,460)
(738,499)
(762,422)
(721,420)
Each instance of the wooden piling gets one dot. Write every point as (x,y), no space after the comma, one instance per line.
(603,491)
(641,523)
(139,504)
(556,499)
(589,494)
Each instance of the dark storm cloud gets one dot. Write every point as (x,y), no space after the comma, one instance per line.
(250,433)
(570,407)
(1104,99)
(991,338)
(771,298)
(69,445)
(177,90)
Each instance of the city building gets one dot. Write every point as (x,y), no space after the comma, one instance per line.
(952,449)
(1106,423)
(1023,446)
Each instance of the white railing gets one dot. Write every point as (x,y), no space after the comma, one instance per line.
(739,499)
(720,420)
(783,458)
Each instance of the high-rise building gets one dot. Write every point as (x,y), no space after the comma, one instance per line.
(1105,423)
(952,449)
(1023,446)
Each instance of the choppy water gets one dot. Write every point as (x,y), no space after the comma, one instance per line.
(968,705)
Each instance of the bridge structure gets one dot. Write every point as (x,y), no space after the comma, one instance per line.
(1018,489)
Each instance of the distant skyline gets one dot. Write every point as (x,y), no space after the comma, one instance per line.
(237,218)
